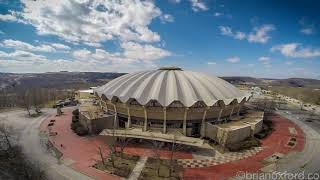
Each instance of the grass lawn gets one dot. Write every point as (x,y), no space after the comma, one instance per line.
(8,109)
(50,104)
(122,166)
(150,170)
(308,95)
(34,115)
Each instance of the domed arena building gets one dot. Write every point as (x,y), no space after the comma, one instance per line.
(170,104)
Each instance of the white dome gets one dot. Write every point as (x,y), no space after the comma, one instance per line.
(167,85)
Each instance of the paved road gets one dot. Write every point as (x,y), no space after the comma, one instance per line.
(27,129)
(308,160)
(305,162)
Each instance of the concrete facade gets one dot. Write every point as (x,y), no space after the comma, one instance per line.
(222,124)
(176,104)
(94,118)
(235,131)
(96,125)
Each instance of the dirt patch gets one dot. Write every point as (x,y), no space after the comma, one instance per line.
(159,170)
(122,166)
(292,142)
(244,145)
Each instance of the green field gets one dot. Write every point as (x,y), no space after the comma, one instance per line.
(308,95)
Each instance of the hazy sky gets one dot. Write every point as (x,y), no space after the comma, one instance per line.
(275,39)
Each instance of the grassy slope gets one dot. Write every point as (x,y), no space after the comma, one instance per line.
(305,94)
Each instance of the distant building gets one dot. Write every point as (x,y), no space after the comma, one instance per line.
(85,94)
(267,92)
(256,90)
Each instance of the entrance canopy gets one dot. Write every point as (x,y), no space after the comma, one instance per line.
(158,136)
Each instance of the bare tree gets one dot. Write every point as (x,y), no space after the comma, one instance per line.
(280,102)
(4,100)
(15,162)
(272,104)
(122,142)
(301,103)
(25,100)
(173,163)
(156,146)
(20,167)
(39,98)
(312,114)
(112,145)
(112,153)
(101,156)
(274,100)
(32,171)
(6,134)
(265,103)
(53,95)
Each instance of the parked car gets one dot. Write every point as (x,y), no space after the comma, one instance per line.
(67,102)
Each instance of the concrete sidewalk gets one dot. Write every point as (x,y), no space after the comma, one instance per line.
(30,140)
(139,167)
(308,160)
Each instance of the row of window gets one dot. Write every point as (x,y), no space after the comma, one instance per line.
(175,104)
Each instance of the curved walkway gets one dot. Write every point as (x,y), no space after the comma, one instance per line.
(276,142)
(82,152)
(308,161)
(28,132)
(219,158)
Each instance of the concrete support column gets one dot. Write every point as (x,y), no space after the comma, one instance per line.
(184,126)
(164,120)
(106,106)
(238,113)
(129,118)
(145,125)
(220,113)
(100,103)
(203,123)
(231,111)
(115,120)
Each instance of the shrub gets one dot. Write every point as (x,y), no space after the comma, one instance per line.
(75,112)
(267,128)
(123,172)
(75,119)
(134,158)
(81,131)
(129,157)
(261,135)
(244,145)
(34,115)
(75,125)
(268,123)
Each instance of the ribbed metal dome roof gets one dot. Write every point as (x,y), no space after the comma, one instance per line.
(170,84)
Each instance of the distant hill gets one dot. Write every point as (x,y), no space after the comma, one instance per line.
(291,82)
(242,80)
(80,80)
(57,80)
(298,82)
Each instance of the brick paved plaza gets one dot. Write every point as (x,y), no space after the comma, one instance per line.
(82,152)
